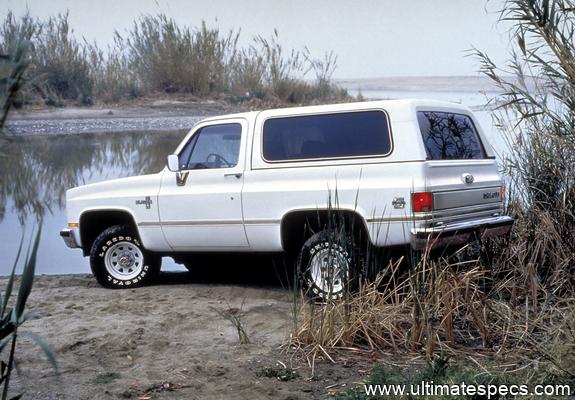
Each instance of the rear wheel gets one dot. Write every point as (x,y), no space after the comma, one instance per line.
(328,266)
(118,259)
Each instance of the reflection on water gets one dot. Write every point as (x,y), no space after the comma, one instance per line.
(37,171)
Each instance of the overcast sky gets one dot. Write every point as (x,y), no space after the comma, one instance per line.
(371,38)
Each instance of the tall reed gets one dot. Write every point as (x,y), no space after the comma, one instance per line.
(159,56)
(520,301)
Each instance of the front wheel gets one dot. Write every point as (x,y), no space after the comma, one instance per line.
(118,259)
(329,266)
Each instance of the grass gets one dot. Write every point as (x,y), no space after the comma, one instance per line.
(157,56)
(13,312)
(13,65)
(234,316)
(515,307)
(13,315)
(465,310)
(58,64)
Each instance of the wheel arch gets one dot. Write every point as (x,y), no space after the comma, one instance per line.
(297,226)
(92,222)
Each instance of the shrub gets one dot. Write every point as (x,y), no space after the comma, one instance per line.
(168,58)
(16,46)
(157,55)
(13,66)
(59,68)
(61,63)
(536,114)
(114,80)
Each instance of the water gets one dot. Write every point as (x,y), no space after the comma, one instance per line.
(37,170)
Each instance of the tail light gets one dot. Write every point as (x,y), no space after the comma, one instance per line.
(422,202)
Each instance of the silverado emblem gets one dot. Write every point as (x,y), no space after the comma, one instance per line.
(491,195)
(147,202)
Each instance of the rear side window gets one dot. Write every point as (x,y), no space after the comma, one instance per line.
(449,136)
(341,135)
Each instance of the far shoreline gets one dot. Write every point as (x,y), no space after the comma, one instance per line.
(169,112)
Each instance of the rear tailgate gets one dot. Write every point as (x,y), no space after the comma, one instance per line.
(464,190)
(463,179)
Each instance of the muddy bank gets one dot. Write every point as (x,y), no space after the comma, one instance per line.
(169,341)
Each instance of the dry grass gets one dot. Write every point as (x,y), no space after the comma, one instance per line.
(518,304)
(158,56)
(460,309)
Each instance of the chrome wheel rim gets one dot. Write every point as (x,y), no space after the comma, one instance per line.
(329,270)
(124,260)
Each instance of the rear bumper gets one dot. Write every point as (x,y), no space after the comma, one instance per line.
(460,232)
(69,238)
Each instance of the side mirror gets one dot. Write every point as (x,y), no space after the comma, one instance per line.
(173,163)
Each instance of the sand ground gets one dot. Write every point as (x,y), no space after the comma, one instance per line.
(170,341)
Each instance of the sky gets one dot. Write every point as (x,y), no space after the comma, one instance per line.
(371,38)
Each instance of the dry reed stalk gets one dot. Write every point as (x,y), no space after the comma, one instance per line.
(447,307)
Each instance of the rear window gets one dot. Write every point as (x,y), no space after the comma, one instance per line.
(341,135)
(449,136)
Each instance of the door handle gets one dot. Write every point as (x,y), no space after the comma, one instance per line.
(236,174)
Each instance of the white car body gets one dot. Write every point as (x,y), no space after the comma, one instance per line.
(243,208)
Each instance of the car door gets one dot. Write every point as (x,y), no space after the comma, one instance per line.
(200,205)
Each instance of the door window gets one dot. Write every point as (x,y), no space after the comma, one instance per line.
(213,146)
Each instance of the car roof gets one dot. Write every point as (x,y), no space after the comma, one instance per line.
(400,108)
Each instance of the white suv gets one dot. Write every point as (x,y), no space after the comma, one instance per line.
(396,173)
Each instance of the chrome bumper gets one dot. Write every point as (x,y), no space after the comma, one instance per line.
(69,238)
(460,232)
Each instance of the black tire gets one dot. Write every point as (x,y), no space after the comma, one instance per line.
(119,261)
(326,283)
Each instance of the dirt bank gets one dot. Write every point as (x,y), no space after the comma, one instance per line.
(168,341)
(144,115)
